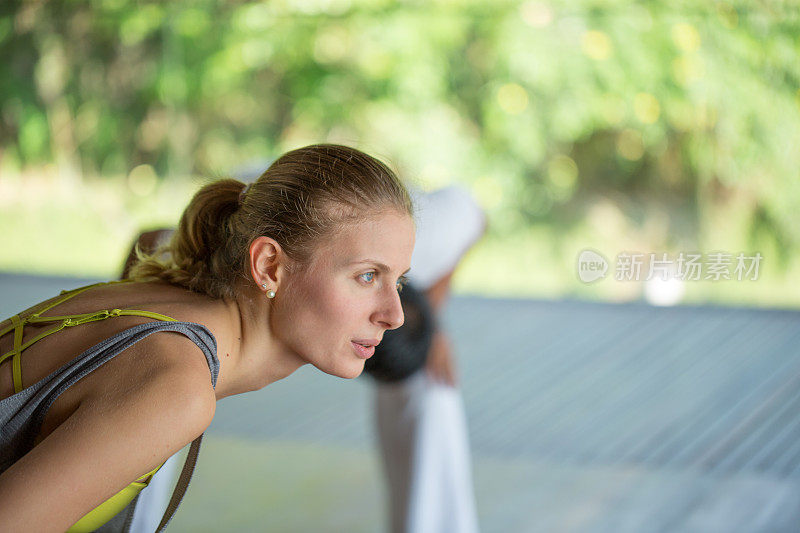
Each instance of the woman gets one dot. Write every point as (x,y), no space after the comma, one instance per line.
(301,267)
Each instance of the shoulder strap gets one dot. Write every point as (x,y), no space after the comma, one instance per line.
(66,295)
(183,483)
(177,493)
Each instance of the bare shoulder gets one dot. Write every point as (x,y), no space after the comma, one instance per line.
(115,436)
(176,379)
(162,384)
(162,396)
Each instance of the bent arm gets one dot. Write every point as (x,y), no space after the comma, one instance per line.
(101,448)
(441,365)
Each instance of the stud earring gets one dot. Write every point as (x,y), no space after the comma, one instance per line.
(264,286)
(270,294)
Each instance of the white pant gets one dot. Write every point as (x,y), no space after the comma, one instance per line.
(423,438)
(154,498)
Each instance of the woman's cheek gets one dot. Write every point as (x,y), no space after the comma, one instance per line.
(345,298)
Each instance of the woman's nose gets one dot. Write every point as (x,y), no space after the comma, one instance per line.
(391,313)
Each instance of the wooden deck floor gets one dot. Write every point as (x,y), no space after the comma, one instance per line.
(583,417)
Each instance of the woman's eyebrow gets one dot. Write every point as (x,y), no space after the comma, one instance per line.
(378,265)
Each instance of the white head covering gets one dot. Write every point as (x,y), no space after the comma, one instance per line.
(449,221)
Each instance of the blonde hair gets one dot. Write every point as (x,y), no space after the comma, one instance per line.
(305,195)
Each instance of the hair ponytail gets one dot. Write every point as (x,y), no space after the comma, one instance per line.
(302,197)
(197,257)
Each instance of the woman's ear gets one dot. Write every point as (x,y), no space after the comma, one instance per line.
(268,262)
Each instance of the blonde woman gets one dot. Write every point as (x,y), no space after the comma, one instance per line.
(98,387)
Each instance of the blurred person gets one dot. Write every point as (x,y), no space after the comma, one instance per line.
(301,267)
(419,415)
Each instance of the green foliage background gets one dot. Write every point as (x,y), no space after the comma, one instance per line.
(617,125)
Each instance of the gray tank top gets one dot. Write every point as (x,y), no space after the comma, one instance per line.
(22,414)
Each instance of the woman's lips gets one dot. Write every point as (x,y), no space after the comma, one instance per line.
(364,352)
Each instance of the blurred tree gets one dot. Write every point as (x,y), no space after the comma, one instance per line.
(541,106)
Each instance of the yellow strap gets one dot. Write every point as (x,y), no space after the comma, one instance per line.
(6,355)
(67,295)
(146,314)
(74,292)
(76,320)
(16,370)
(101,514)
(148,476)
(32,341)
(17,324)
(10,327)
(16,362)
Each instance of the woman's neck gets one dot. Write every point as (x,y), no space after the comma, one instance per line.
(250,356)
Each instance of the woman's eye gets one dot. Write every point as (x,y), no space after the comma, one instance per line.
(367,276)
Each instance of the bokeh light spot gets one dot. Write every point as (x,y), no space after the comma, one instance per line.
(681,116)
(51,70)
(34,135)
(256,52)
(597,45)
(646,108)
(536,14)
(686,69)
(488,192)
(612,108)
(254,17)
(686,37)
(331,45)
(562,172)
(434,175)
(142,180)
(86,121)
(141,23)
(512,98)
(630,145)
(192,22)
(705,116)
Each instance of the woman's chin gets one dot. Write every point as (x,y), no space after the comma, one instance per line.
(350,371)
(345,366)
